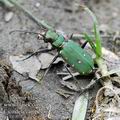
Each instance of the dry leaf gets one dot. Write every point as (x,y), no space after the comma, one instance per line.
(80,107)
(30,66)
(46,60)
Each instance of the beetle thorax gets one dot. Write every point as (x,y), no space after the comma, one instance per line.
(55,39)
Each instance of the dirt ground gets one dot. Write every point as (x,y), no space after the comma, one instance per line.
(63,16)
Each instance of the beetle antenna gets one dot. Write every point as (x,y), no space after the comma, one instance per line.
(23,31)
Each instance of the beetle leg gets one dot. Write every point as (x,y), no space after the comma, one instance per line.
(37,52)
(56,56)
(71,36)
(84,44)
(92,83)
(70,72)
(89,86)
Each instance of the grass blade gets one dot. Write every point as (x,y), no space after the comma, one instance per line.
(98,41)
(90,40)
(98,45)
(80,107)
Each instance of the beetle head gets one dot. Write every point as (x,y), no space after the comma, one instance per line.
(50,36)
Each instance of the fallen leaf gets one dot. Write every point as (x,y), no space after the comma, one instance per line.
(114,118)
(112,109)
(80,107)
(112,60)
(46,60)
(30,66)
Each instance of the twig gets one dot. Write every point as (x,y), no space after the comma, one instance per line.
(49,113)
(69,76)
(62,73)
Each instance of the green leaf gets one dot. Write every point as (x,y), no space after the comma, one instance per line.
(98,41)
(90,40)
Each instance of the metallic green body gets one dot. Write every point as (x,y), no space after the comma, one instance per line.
(77,57)
(71,52)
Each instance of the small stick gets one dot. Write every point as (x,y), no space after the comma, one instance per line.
(49,113)
(69,76)
(62,73)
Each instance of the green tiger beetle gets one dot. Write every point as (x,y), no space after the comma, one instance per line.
(70,51)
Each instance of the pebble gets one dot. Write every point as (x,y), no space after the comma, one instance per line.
(37,5)
(117,41)
(8,16)
(104,28)
(118,53)
(49,46)
(114,14)
(28,47)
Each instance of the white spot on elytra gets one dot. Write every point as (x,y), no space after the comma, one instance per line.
(79,62)
(84,55)
(73,65)
(66,58)
(90,71)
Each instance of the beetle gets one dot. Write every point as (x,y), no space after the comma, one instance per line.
(71,52)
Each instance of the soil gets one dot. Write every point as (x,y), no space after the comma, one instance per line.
(63,16)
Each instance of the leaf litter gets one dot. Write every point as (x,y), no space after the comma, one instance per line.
(108,110)
(109,89)
(31,67)
(107,98)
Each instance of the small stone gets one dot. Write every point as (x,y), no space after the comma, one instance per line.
(117,41)
(118,53)
(114,14)
(8,16)
(28,48)
(104,28)
(37,5)
(49,46)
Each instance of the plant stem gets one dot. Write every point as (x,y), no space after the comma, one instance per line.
(79,36)
(6,3)
(102,66)
(30,15)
